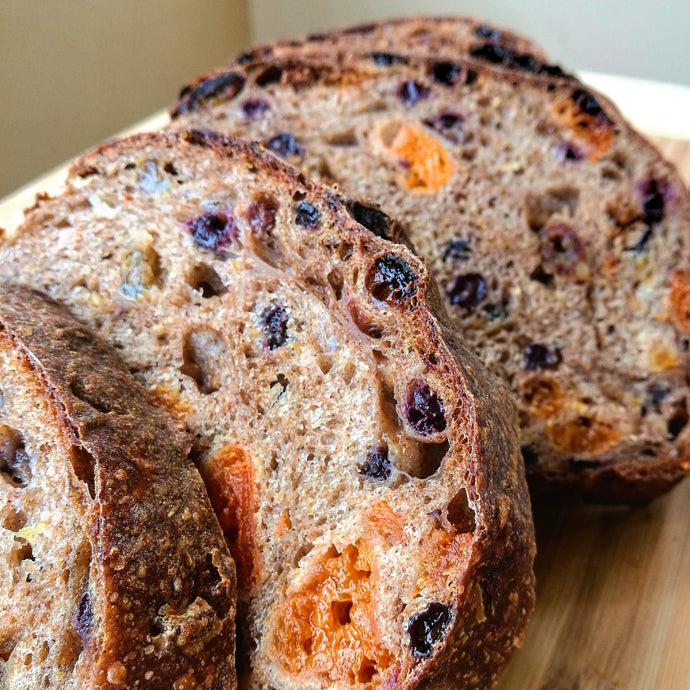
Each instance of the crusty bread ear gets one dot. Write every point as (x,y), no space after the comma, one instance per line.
(114,570)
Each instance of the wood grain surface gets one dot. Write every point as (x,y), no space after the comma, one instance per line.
(613,583)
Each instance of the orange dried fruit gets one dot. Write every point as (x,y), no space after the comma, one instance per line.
(583,435)
(680,299)
(429,164)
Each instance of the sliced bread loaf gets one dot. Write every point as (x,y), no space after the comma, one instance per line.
(558,235)
(364,465)
(114,570)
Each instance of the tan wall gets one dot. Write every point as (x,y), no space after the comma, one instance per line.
(73,72)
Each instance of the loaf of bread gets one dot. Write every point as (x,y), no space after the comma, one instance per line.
(364,465)
(558,235)
(115,573)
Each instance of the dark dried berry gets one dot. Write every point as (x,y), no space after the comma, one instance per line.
(244,58)
(410,91)
(587,103)
(447,72)
(372,219)
(261,213)
(456,249)
(254,106)
(495,311)
(485,31)
(529,454)
(553,71)
(497,54)
(655,194)
(386,59)
(567,152)
(82,620)
(426,628)
(390,279)
(466,290)
(656,394)
(285,144)
(306,215)
(538,356)
(424,410)
(271,75)
(677,422)
(317,38)
(561,248)
(274,320)
(443,121)
(377,465)
(226,86)
(493,53)
(214,230)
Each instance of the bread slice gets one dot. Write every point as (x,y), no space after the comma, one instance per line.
(364,465)
(114,570)
(558,235)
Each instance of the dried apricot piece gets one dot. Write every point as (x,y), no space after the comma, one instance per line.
(429,164)
(680,299)
(543,396)
(583,435)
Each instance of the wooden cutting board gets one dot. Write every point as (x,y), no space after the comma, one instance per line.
(613,583)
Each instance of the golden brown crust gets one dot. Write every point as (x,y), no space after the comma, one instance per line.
(163,584)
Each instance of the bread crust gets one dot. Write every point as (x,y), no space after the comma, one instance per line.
(161,581)
(493,590)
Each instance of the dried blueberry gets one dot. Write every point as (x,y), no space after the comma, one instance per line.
(372,219)
(497,54)
(306,215)
(270,75)
(466,290)
(226,85)
(274,320)
(254,106)
(261,213)
(410,91)
(447,72)
(390,279)
(456,249)
(424,410)
(485,31)
(493,53)
(82,620)
(285,144)
(377,465)
(214,230)
(427,628)
(538,356)
(529,454)
(385,59)
(561,248)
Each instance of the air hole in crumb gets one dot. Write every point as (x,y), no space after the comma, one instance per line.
(559,200)
(14,519)
(340,610)
(388,403)
(83,465)
(429,459)
(325,362)
(203,353)
(204,278)
(299,196)
(43,652)
(22,550)
(347,373)
(678,421)
(15,462)
(460,515)
(345,251)
(344,138)
(336,281)
(363,320)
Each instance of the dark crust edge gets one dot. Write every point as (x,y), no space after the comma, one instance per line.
(139,457)
(500,566)
(619,480)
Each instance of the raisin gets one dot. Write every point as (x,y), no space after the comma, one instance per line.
(226,85)
(529,454)
(561,249)
(466,290)
(271,75)
(567,152)
(456,249)
(306,215)
(447,73)
(586,102)
(424,410)
(377,465)
(390,279)
(427,627)
(254,106)
(385,59)
(274,320)
(214,231)
(497,54)
(285,144)
(538,356)
(372,219)
(485,31)
(655,194)
(82,620)
(410,91)
(261,213)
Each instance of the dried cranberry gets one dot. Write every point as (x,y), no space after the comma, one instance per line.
(285,144)
(456,249)
(567,152)
(306,215)
(427,627)
(538,356)
(561,248)
(372,219)
(586,102)
(254,106)
(390,279)
(410,91)
(466,290)
(274,320)
(226,86)
(271,75)
(485,31)
(529,454)
(82,620)
(261,213)
(214,230)
(386,59)
(446,72)
(424,410)
(377,465)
